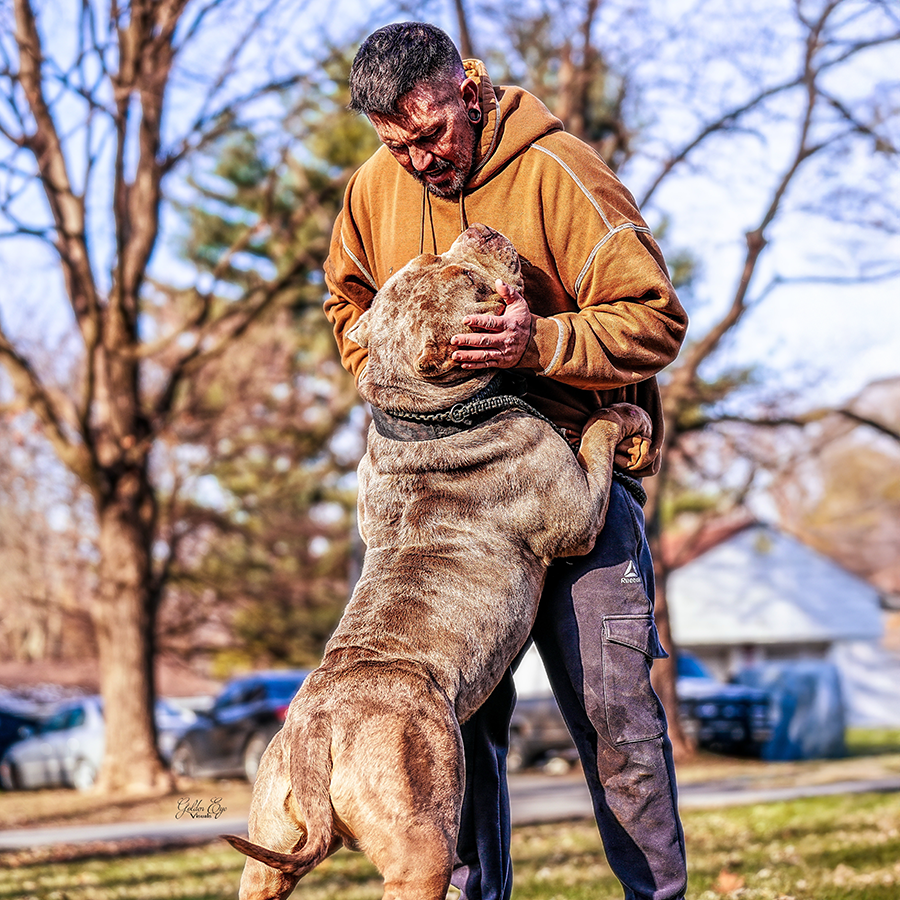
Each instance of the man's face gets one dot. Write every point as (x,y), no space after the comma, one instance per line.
(432,137)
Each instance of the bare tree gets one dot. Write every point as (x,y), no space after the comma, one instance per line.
(787,109)
(83,125)
(824,127)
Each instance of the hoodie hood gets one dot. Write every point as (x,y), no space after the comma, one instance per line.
(502,107)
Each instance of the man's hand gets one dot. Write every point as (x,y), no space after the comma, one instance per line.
(499,341)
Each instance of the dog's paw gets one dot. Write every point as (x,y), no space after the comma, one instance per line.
(635,430)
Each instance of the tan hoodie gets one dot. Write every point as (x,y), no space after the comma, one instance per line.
(606,315)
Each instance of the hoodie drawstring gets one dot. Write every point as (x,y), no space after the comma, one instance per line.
(426,204)
(422,224)
(426,201)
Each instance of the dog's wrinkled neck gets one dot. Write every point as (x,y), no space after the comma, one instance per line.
(391,390)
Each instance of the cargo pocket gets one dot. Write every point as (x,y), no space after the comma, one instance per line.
(633,711)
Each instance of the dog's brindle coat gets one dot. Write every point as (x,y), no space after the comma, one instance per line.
(459,534)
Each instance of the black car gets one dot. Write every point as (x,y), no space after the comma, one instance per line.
(727,718)
(15,724)
(230,739)
(538,734)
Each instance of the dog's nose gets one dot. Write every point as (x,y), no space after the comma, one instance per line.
(479,229)
(482,237)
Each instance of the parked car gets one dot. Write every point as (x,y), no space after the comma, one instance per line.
(66,749)
(537,733)
(14,725)
(229,740)
(728,718)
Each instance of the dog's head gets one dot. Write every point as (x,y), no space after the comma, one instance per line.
(407,329)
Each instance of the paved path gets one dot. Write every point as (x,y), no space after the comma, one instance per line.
(534,798)
(545,799)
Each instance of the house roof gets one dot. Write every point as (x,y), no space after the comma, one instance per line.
(761,586)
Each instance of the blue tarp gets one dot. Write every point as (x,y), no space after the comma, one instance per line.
(808,713)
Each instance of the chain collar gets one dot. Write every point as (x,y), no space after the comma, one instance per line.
(502,392)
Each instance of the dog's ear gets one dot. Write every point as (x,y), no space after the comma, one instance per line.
(359,333)
(493,305)
(435,359)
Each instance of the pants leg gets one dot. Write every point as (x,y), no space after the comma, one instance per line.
(484,868)
(596,635)
(597,638)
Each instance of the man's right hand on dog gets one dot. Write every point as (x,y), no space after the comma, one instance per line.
(498,342)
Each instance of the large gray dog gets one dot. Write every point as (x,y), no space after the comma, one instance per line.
(465,497)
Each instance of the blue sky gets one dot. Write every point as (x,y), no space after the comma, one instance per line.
(830,337)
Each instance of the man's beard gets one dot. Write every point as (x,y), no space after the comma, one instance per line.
(447,190)
(454,187)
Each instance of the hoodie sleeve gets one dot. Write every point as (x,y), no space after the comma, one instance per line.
(351,287)
(630,323)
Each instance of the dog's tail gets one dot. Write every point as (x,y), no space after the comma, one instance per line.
(310,770)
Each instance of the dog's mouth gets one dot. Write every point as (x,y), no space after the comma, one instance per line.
(426,395)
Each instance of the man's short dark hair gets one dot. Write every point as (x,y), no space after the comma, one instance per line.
(397,58)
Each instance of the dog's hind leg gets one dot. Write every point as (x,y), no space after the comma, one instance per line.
(418,864)
(397,782)
(412,886)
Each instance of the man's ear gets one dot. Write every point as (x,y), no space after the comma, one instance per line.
(359,333)
(468,90)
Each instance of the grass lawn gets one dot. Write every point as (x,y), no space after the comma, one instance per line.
(830,848)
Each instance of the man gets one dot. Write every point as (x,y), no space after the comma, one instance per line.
(597,321)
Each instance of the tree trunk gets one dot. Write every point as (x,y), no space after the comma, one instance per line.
(664,672)
(124,613)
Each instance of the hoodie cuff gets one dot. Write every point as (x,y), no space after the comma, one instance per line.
(545,347)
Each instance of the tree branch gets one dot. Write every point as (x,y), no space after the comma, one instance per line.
(67,208)
(245,314)
(686,373)
(28,386)
(727,119)
(804,419)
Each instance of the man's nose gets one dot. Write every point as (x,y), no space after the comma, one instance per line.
(421,159)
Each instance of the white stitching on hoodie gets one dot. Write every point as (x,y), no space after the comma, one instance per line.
(559,345)
(577,181)
(627,226)
(359,265)
(593,201)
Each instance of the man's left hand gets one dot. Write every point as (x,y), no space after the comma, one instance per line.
(498,341)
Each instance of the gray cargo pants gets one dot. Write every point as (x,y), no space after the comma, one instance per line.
(597,638)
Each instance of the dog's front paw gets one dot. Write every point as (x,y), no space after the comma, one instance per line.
(632,450)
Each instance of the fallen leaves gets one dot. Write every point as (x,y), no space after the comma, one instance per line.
(728,882)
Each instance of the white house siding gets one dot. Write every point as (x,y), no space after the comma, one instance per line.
(870,678)
(762,596)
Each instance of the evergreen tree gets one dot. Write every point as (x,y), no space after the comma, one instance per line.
(267,552)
